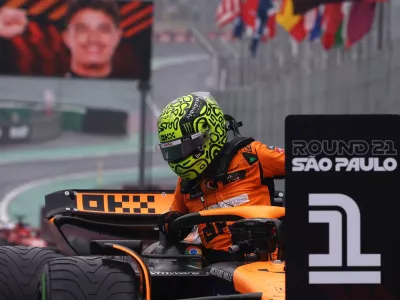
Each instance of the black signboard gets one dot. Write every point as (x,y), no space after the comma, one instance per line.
(15,133)
(342,199)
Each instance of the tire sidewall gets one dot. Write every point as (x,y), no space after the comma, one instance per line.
(22,268)
(50,283)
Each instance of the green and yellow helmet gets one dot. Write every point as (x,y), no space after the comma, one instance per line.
(192,131)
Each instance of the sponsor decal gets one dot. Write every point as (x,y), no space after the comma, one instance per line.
(167,137)
(234,176)
(153,261)
(188,128)
(197,155)
(174,273)
(193,250)
(221,274)
(194,110)
(251,158)
(276,149)
(168,125)
(234,201)
(151,203)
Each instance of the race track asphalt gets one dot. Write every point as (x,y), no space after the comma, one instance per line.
(168,83)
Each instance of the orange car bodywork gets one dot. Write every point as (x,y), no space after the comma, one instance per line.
(264,276)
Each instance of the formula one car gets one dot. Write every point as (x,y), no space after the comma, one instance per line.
(136,261)
(21,234)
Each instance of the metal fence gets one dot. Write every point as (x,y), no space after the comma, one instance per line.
(287,78)
(368,86)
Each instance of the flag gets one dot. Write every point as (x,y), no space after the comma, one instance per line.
(339,35)
(270,33)
(238,28)
(249,16)
(262,17)
(310,19)
(360,21)
(292,23)
(332,19)
(227,12)
(316,29)
(249,13)
(302,6)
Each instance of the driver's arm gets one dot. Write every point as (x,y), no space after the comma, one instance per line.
(272,160)
(177,209)
(178,203)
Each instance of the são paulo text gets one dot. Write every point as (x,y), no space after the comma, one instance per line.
(340,164)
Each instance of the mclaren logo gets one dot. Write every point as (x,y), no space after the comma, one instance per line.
(335,220)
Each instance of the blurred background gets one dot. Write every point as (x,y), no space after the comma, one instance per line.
(60,132)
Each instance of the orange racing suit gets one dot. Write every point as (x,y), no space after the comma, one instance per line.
(249,166)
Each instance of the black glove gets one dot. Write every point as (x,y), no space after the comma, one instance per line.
(164,225)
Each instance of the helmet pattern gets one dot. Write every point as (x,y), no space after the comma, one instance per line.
(186,115)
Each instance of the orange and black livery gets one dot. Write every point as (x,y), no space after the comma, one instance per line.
(142,260)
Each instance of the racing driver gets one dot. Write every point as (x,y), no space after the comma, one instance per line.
(213,172)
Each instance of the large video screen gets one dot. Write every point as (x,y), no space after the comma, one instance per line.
(76,38)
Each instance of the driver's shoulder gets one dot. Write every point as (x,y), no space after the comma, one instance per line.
(245,153)
(251,147)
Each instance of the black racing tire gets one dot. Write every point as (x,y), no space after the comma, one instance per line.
(83,277)
(20,269)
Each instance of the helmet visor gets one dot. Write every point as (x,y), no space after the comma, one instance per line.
(181,148)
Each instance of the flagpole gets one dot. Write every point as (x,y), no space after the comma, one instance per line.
(389,25)
(241,66)
(380,26)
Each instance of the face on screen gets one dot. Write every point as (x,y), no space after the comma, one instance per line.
(92,37)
